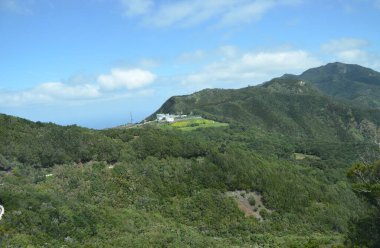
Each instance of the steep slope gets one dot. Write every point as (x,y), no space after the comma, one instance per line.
(285,105)
(355,83)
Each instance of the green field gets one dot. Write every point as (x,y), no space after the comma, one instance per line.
(188,125)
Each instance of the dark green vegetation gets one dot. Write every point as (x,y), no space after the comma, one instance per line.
(366,183)
(148,186)
(354,83)
(43,145)
(283,105)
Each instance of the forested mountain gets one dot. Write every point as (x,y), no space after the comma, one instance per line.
(285,105)
(354,83)
(275,176)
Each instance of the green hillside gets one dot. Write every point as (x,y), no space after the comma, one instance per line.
(275,176)
(168,188)
(355,83)
(285,105)
(45,144)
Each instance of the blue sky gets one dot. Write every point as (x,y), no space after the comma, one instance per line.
(93,62)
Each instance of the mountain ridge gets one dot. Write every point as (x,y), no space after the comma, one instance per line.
(289,104)
(330,79)
(353,83)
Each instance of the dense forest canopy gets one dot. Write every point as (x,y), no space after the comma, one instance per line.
(283,155)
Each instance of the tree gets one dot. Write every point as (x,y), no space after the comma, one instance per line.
(366,182)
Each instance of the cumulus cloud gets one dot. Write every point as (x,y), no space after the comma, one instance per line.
(186,13)
(349,50)
(118,84)
(61,90)
(127,79)
(50,92)
(251,67)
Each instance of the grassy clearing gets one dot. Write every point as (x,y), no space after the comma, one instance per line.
(192,124)
(302,156)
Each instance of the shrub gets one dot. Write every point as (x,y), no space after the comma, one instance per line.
(264,213)
(252,200)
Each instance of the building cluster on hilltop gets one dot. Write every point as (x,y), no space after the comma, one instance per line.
(169,117)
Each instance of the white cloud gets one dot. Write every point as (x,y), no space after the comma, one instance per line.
(126,79)
(61,90)
(49,93)
(184,13)
(343,44)
(279,61)
(247,13)
(349,50)
(251,67)
(137,7)
(20,98)
(119,84)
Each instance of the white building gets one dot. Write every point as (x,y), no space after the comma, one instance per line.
(169,117)
(1,211)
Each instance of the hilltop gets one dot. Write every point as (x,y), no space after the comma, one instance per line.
(354,83)
(294,105)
